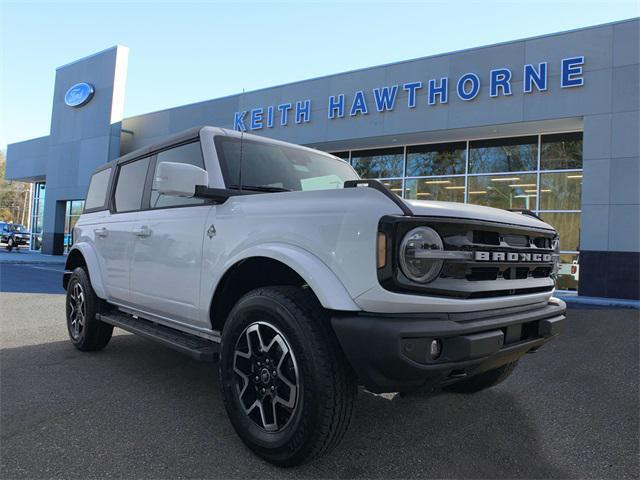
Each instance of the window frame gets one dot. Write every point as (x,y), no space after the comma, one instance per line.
(222,161)
(114,186)
(148,185)
(148,182)
(107,200)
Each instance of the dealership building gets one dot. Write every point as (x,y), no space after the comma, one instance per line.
(549,124)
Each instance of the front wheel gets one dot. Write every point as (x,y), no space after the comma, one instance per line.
(10,244)
(287,388)
(86,332)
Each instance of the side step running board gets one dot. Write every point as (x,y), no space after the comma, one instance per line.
(198,348)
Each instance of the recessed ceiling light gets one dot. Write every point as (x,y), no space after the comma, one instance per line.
(506,179)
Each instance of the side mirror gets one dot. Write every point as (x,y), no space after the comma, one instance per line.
(179,179)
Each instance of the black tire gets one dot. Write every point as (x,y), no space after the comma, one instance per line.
(10,244)
(86,332)
(325,384)
(479,382)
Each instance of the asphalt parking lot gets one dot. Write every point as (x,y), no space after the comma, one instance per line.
(138,410)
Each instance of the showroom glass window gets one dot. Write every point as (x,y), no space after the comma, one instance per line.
(503,155)
(379,163)
(73,211)
(37,215)
(541,173)
(561,151)
(436,159)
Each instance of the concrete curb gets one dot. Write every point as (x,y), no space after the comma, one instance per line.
(576,301)
(28,262)
(31,259)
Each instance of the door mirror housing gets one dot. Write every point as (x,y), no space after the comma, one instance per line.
(179,179)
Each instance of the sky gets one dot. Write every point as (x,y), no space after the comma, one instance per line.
(185,52)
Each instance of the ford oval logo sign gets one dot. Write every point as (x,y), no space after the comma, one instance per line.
(79,94)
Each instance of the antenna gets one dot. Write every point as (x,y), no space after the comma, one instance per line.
(241,143)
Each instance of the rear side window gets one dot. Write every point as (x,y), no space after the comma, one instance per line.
(97,194)
(190,153)
(130,187)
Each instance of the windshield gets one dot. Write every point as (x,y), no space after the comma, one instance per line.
(280,167)
(17,228)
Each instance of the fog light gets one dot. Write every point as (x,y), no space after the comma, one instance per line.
(435,349)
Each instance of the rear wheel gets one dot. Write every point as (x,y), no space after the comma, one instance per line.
(484,380)
(86,332)
(286,386)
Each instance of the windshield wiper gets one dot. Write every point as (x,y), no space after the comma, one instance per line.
(259,188)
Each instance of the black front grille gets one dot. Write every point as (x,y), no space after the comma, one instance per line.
(482,237)
(498,260)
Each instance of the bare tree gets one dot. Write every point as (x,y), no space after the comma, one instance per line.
(14,197)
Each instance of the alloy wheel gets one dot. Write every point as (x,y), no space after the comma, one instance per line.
(77,311)
(266,376)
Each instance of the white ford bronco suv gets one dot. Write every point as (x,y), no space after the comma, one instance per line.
(303,281)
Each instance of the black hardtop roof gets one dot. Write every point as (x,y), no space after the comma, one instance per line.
(184,136)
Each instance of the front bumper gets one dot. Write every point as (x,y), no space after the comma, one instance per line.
(390,353)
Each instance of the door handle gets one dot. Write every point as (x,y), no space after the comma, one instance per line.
(143,231)
(101,232)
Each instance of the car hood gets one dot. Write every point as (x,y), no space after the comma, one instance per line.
(473,212)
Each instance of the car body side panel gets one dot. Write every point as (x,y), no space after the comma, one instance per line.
(335,229)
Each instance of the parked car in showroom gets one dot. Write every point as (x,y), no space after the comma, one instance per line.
(13,235)
(304,281)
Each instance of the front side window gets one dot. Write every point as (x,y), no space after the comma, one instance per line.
(279,166)
(17,228)
(190,153)
(97,194)
(130,187)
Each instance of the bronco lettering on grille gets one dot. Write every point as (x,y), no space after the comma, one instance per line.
(482,256)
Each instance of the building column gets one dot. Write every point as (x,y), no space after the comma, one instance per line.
(610,233)
(53,234)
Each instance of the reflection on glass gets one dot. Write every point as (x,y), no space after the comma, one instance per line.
(37,215)
(568,273)
(561,151)
(504,191)
(449,189)
(436,159)
(380,163)
(503,155)
(394,185)
(568,226)
(560,191)
(73,210)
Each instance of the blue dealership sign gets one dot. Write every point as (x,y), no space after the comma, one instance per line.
(434,92)
(79,94)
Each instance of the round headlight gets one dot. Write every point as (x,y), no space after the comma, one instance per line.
(414,257)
